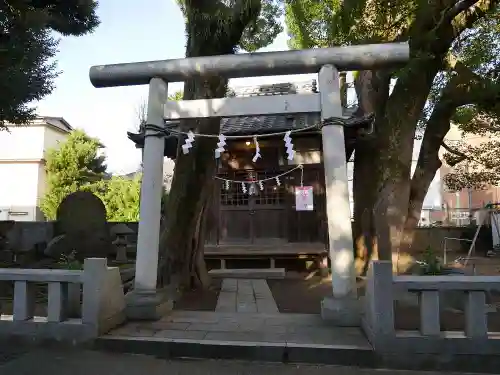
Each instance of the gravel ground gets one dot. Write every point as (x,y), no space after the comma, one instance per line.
(85,362)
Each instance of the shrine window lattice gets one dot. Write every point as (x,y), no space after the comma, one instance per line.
(271,195)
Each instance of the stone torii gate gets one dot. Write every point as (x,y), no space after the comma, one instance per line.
(145,302)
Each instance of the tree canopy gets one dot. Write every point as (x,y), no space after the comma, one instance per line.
(121,197)
(256,22)
(76,165)
(27,70)
(451,73)
(79,164)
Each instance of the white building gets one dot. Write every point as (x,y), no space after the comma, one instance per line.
(22,166)
(433,199)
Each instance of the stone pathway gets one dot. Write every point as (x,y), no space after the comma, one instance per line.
(246,325)
(246,296)
(252,328)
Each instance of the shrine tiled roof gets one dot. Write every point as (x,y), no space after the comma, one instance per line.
(267,123)
(273,123)
(251,125)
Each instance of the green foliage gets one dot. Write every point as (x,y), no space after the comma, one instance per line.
(478,166)
(176,96)
(265,28)
(312,23)
(463,42)
(431,263)
(69,262)
(28,46)
(260,32)
(76,165)
(122,197)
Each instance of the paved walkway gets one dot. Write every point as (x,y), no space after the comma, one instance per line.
(246,327)
(246,296)
(84,362)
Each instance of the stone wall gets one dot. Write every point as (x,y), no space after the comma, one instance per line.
(25,235)
(433,237)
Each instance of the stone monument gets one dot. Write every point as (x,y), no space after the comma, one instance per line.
(81,228)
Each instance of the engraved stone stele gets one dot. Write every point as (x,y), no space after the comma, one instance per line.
(81,228)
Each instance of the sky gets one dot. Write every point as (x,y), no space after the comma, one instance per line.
(130,31)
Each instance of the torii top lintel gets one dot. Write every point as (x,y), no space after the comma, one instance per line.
(358,57)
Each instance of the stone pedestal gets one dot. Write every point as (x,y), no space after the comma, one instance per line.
(147,305)
(341,312)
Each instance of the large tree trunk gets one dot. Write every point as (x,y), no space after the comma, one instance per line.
(387,171)
(211,31)
(372,92)
(382,162)
(365,196)
(465,87)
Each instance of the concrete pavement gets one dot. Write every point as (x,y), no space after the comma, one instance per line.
(84,362)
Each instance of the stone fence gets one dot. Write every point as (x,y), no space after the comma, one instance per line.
(382,290)
(102,305)
(25,235)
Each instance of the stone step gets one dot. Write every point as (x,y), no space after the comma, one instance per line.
(244,273)
(343,355)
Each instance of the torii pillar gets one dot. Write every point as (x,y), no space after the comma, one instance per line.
(342,308)
(145,302)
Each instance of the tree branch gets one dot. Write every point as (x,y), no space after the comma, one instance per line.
(478,9)
(460,155)
(465,87)
(200,5)
(455,10)
(244,12)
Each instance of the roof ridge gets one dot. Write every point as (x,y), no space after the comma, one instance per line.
(282,88)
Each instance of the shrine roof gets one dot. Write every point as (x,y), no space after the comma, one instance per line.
(251,125)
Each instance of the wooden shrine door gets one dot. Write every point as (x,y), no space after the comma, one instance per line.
(255,219)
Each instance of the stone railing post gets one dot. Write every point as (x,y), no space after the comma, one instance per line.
(103,300)
(378,319)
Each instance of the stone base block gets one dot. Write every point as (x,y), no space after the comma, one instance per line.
(253,273)
(341,312)
(147,305)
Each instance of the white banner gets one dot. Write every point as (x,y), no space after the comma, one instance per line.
(304,198)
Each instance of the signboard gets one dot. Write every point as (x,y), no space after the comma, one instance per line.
(304,198)
(460,215)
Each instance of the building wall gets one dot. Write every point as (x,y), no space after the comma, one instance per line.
(22,143)
(52,138)
(22,170)
(466,199)
(433,199)
(18,190)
